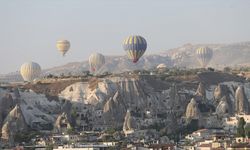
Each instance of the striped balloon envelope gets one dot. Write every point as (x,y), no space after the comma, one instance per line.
(204,55)
(30,71)
(96,61)
(63,46)
(135,46)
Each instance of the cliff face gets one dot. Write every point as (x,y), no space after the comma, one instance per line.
(32,109)
(102,103)
(129,122)
(63,122)
(91,92)
(114,109)
(7,134)
(16,120)
(201,91)
(106,101)
(223,107)
(241,101)
(220,91)
(14,123)
(192,111)
(38,111)
(6,104)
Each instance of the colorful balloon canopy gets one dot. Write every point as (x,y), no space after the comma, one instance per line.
(135,46)
(204,55)
(30,71)
(96,61)
(63,46)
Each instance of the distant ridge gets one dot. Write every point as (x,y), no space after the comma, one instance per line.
(231,54)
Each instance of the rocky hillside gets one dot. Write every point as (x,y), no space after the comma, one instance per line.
(224,55)
(235,54)
(150,101)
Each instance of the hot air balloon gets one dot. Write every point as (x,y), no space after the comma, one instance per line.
(96,61)
(204,55)
(63,46)
(135,46)
(161,66)
(30,71)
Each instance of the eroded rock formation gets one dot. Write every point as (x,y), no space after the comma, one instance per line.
(223,107)
(63,122)
(6,104)
(201,91)
(192,110)
(220,91)
(16,120)
(7,135)
(241,101)
(129,122)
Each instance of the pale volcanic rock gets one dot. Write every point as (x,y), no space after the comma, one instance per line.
(7,135)
(114,95)
(114,109)
(241,101)
(192,110)
(38,110)
(16,120)
(6,131)
(201,91)
(100,103)
(82,92)
(63,122)
(220,91)
(129,122)
(109,105)
(223,107)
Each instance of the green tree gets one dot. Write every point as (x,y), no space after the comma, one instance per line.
(49,146)
(110,131)
(73,116)
(247,130)
(192,125)
(227,69)
(70,131)
(26,137)
(240,128)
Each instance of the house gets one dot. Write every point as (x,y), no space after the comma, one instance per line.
(199,134)
(189,147)
(41,142)
(239,146)
(85,147)
(59,139)
(230,123)
(161,147)
(110,143)
(207,146)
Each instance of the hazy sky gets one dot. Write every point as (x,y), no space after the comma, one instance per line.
(29,29)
